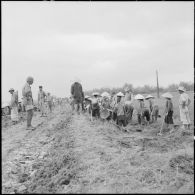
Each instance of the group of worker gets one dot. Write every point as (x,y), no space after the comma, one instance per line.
(45,100)
(120,107)
(117,107)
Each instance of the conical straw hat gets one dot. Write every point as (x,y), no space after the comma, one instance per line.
(149,96)
(120,94)
(167,95)
(105,94)
(95,93)
(86,97)
(139,97)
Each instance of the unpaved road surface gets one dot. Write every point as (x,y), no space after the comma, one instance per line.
(68,153)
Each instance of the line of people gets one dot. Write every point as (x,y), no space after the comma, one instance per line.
(118,107)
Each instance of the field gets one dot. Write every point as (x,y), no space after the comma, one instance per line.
(68,153)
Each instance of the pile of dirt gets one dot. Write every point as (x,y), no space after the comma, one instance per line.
(70,153)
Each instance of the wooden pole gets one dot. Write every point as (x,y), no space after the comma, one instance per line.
(157,84)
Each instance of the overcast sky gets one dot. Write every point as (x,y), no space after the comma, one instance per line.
(105,44)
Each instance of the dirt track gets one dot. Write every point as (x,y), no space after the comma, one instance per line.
(70,154)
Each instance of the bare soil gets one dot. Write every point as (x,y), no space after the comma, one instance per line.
(68,153)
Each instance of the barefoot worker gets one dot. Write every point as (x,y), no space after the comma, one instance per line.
(184,102)
(41,101)
(28,101)
(14,106)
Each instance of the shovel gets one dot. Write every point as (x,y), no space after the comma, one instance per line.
(91,116)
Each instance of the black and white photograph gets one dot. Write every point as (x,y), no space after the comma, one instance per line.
(97,97)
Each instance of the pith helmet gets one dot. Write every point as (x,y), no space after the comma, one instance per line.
(181,88)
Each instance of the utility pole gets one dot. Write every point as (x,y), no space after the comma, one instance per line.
(157,84)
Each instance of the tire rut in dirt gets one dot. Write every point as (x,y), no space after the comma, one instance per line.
(57,170)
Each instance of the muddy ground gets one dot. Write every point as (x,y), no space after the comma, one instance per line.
(68,153)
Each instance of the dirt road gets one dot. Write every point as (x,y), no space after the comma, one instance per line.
(67,153)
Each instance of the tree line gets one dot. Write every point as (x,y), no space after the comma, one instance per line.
(189,86)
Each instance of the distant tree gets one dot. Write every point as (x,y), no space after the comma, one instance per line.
(189,86)
(128,85)
(172,87)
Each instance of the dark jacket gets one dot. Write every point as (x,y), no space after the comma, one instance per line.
(77,92)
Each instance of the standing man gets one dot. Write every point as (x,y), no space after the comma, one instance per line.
(184,102)
(50,101)
(28,101)
(41,101)
(14,106)
(77,95)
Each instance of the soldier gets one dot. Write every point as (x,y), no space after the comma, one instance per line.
(14,106)
(41,101)
(28,102)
